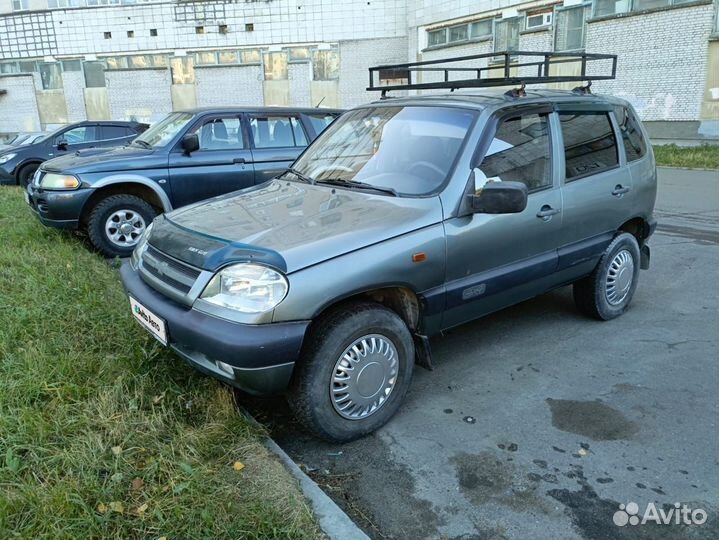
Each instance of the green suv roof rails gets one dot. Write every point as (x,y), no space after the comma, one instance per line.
(504,68)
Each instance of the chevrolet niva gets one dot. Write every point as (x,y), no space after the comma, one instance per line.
(406,217)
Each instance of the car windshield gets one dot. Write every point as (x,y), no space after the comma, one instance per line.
(165,130)
(407,150)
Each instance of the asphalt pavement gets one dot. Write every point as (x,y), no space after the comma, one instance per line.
(538,423)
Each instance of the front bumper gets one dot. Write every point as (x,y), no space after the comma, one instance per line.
(59,209)
(262,356)
(7,174)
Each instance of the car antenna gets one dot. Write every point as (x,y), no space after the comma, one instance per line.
(320,102)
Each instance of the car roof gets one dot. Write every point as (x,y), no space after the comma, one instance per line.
(106,123)
(496,98)
(270,109)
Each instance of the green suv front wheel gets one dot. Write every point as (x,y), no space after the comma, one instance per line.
(355,369)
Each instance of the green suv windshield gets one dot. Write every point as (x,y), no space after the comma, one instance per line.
(164,131)
(403,150)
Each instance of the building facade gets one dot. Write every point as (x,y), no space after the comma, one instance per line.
(68,60)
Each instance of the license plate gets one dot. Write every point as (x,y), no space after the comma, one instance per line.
(27,198)
(152,323)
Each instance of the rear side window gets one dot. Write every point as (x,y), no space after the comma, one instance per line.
(634,144)
(277,132)
(115,132)
(590,146)
(519,152)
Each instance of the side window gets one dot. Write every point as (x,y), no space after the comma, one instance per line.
(519,152)
(114,132)
(634,144)
(80,134)
(320,121)
(589,144)
(221,134)
(277,132)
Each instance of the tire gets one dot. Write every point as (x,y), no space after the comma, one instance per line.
(25,174)
(326,346)
(594,296)
(137,210)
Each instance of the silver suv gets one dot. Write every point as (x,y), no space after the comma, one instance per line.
(406,217)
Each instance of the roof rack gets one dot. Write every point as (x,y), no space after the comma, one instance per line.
(511,67)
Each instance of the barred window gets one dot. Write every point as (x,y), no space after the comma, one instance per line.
(571,31)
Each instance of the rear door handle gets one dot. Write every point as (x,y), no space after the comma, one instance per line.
(239,160)
(620,190)
(546,212)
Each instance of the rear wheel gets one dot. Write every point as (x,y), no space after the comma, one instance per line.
(607,292)
(117,222)
(354,371)
(25,175)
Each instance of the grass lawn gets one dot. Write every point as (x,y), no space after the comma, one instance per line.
(103,433)
(696,157)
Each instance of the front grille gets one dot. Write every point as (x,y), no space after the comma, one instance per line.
(167,274)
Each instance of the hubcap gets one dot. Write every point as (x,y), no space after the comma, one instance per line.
(124,227)
(364,376)
(619,277)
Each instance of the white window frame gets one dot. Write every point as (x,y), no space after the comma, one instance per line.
(547,19)
(20,5)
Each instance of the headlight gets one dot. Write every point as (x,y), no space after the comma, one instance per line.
(141,247)
(6,157)
(59,181)
(249,288)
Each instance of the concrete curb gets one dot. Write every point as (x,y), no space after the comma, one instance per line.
(685,168)
(332,519)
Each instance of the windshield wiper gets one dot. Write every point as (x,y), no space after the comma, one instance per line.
(357,184)
(143,144)
(299,175)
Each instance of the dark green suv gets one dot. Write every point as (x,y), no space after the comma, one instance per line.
(406,217)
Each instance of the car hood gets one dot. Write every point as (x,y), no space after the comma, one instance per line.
(94,160)
(288,225)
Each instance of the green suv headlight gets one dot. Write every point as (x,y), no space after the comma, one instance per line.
(59,181)
(245,287)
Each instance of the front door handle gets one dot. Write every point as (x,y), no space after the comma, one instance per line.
(239,160)
(619,190)
(546,212)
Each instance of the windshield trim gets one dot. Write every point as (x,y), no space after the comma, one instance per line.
(476,113)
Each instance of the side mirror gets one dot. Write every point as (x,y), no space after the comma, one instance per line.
(190,143)
(61,143)
(500,198)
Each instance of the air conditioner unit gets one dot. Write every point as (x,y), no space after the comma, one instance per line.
(539,19)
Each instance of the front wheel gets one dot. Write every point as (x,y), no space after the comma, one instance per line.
(25,175)
(607,292)
(354,371)
(117,222)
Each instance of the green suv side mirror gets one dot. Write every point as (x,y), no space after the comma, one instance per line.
(190,143)
(500,198)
